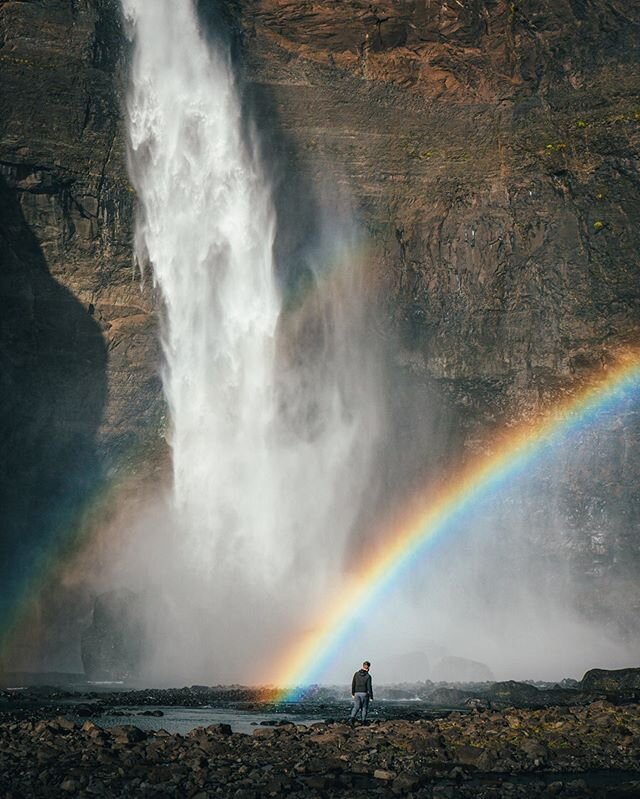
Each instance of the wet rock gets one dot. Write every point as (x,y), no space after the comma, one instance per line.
(535,750)
(475,756)
(615,681)
(86,710)
(90,728)
(512,692)
(264,732)
(406,782)
(128,734)
(449,697)
(219,729)
(241,793)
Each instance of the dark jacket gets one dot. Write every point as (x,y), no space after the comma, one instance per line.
(361,683)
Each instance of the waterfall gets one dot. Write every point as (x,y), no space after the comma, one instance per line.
(270,454)
(207,229)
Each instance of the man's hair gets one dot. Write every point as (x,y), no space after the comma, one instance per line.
(366,663)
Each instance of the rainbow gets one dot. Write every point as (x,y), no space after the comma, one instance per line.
(75,532)
(430,518)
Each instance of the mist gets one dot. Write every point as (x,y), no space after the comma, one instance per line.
(288,426)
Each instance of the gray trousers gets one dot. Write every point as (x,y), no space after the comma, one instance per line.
(360,704)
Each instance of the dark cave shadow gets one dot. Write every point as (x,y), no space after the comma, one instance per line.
(53,389)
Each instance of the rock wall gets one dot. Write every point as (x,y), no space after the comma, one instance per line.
(491,148)
(80,393)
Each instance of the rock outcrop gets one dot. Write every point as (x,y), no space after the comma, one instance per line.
(612,682)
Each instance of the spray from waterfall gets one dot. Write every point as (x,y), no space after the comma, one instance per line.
(271,442)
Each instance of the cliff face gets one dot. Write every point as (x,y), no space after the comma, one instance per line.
(78,351)
(62,158)
(490,149)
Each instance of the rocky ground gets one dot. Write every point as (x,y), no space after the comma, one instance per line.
(38,701)
(588,751)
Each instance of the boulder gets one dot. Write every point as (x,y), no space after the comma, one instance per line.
(113,647)
(612,681)
(449,697)
(128,734)
(514,693)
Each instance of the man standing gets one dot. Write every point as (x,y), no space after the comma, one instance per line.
(361,693)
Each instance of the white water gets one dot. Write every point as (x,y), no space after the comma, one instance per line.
(270,455)
(207,229)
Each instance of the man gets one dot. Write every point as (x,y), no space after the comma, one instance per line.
(361,693)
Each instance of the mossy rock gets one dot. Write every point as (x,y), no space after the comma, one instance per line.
(617,681)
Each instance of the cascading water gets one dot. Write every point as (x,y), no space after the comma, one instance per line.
(267,458)
(207,229)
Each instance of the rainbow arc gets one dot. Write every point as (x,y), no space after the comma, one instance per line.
(434,515)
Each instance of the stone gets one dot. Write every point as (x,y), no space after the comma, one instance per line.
(65,725)
(264,732)
(127,733)
(84,710)
(441,755)
(316,781)
(514,693)
(219,729)
(535,750)
(611,681)
(384,775)
(470,755)
(406,782)
(89,727)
